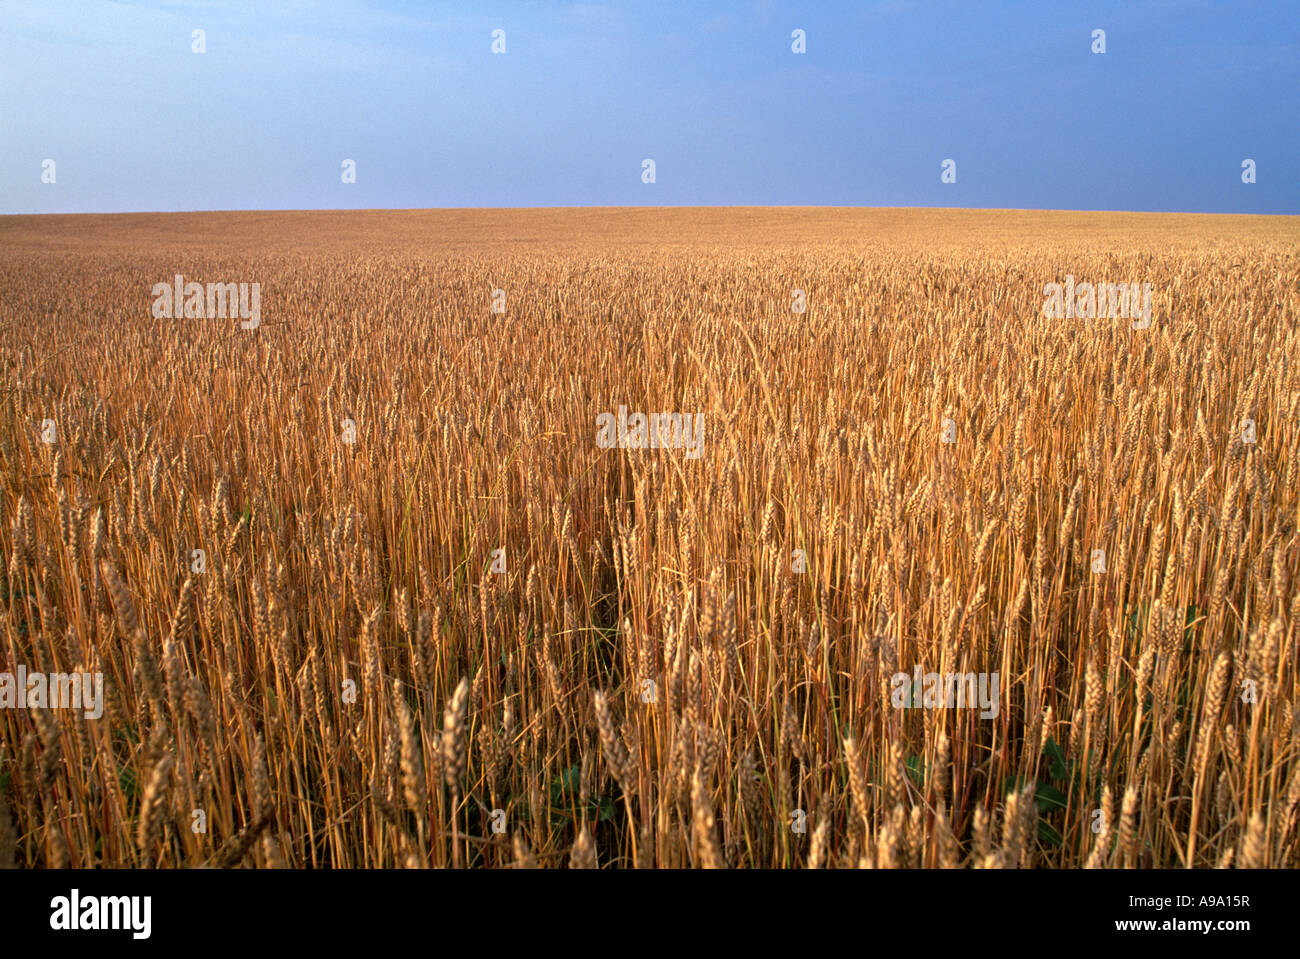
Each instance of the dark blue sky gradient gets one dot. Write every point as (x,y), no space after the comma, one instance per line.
(711,91)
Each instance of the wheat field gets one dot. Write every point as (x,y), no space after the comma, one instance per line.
(432,622)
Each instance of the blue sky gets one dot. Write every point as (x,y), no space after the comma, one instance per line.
(1011,91)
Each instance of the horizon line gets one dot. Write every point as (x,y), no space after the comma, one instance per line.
(628,208)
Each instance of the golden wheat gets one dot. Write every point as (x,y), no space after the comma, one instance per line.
(432,622)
